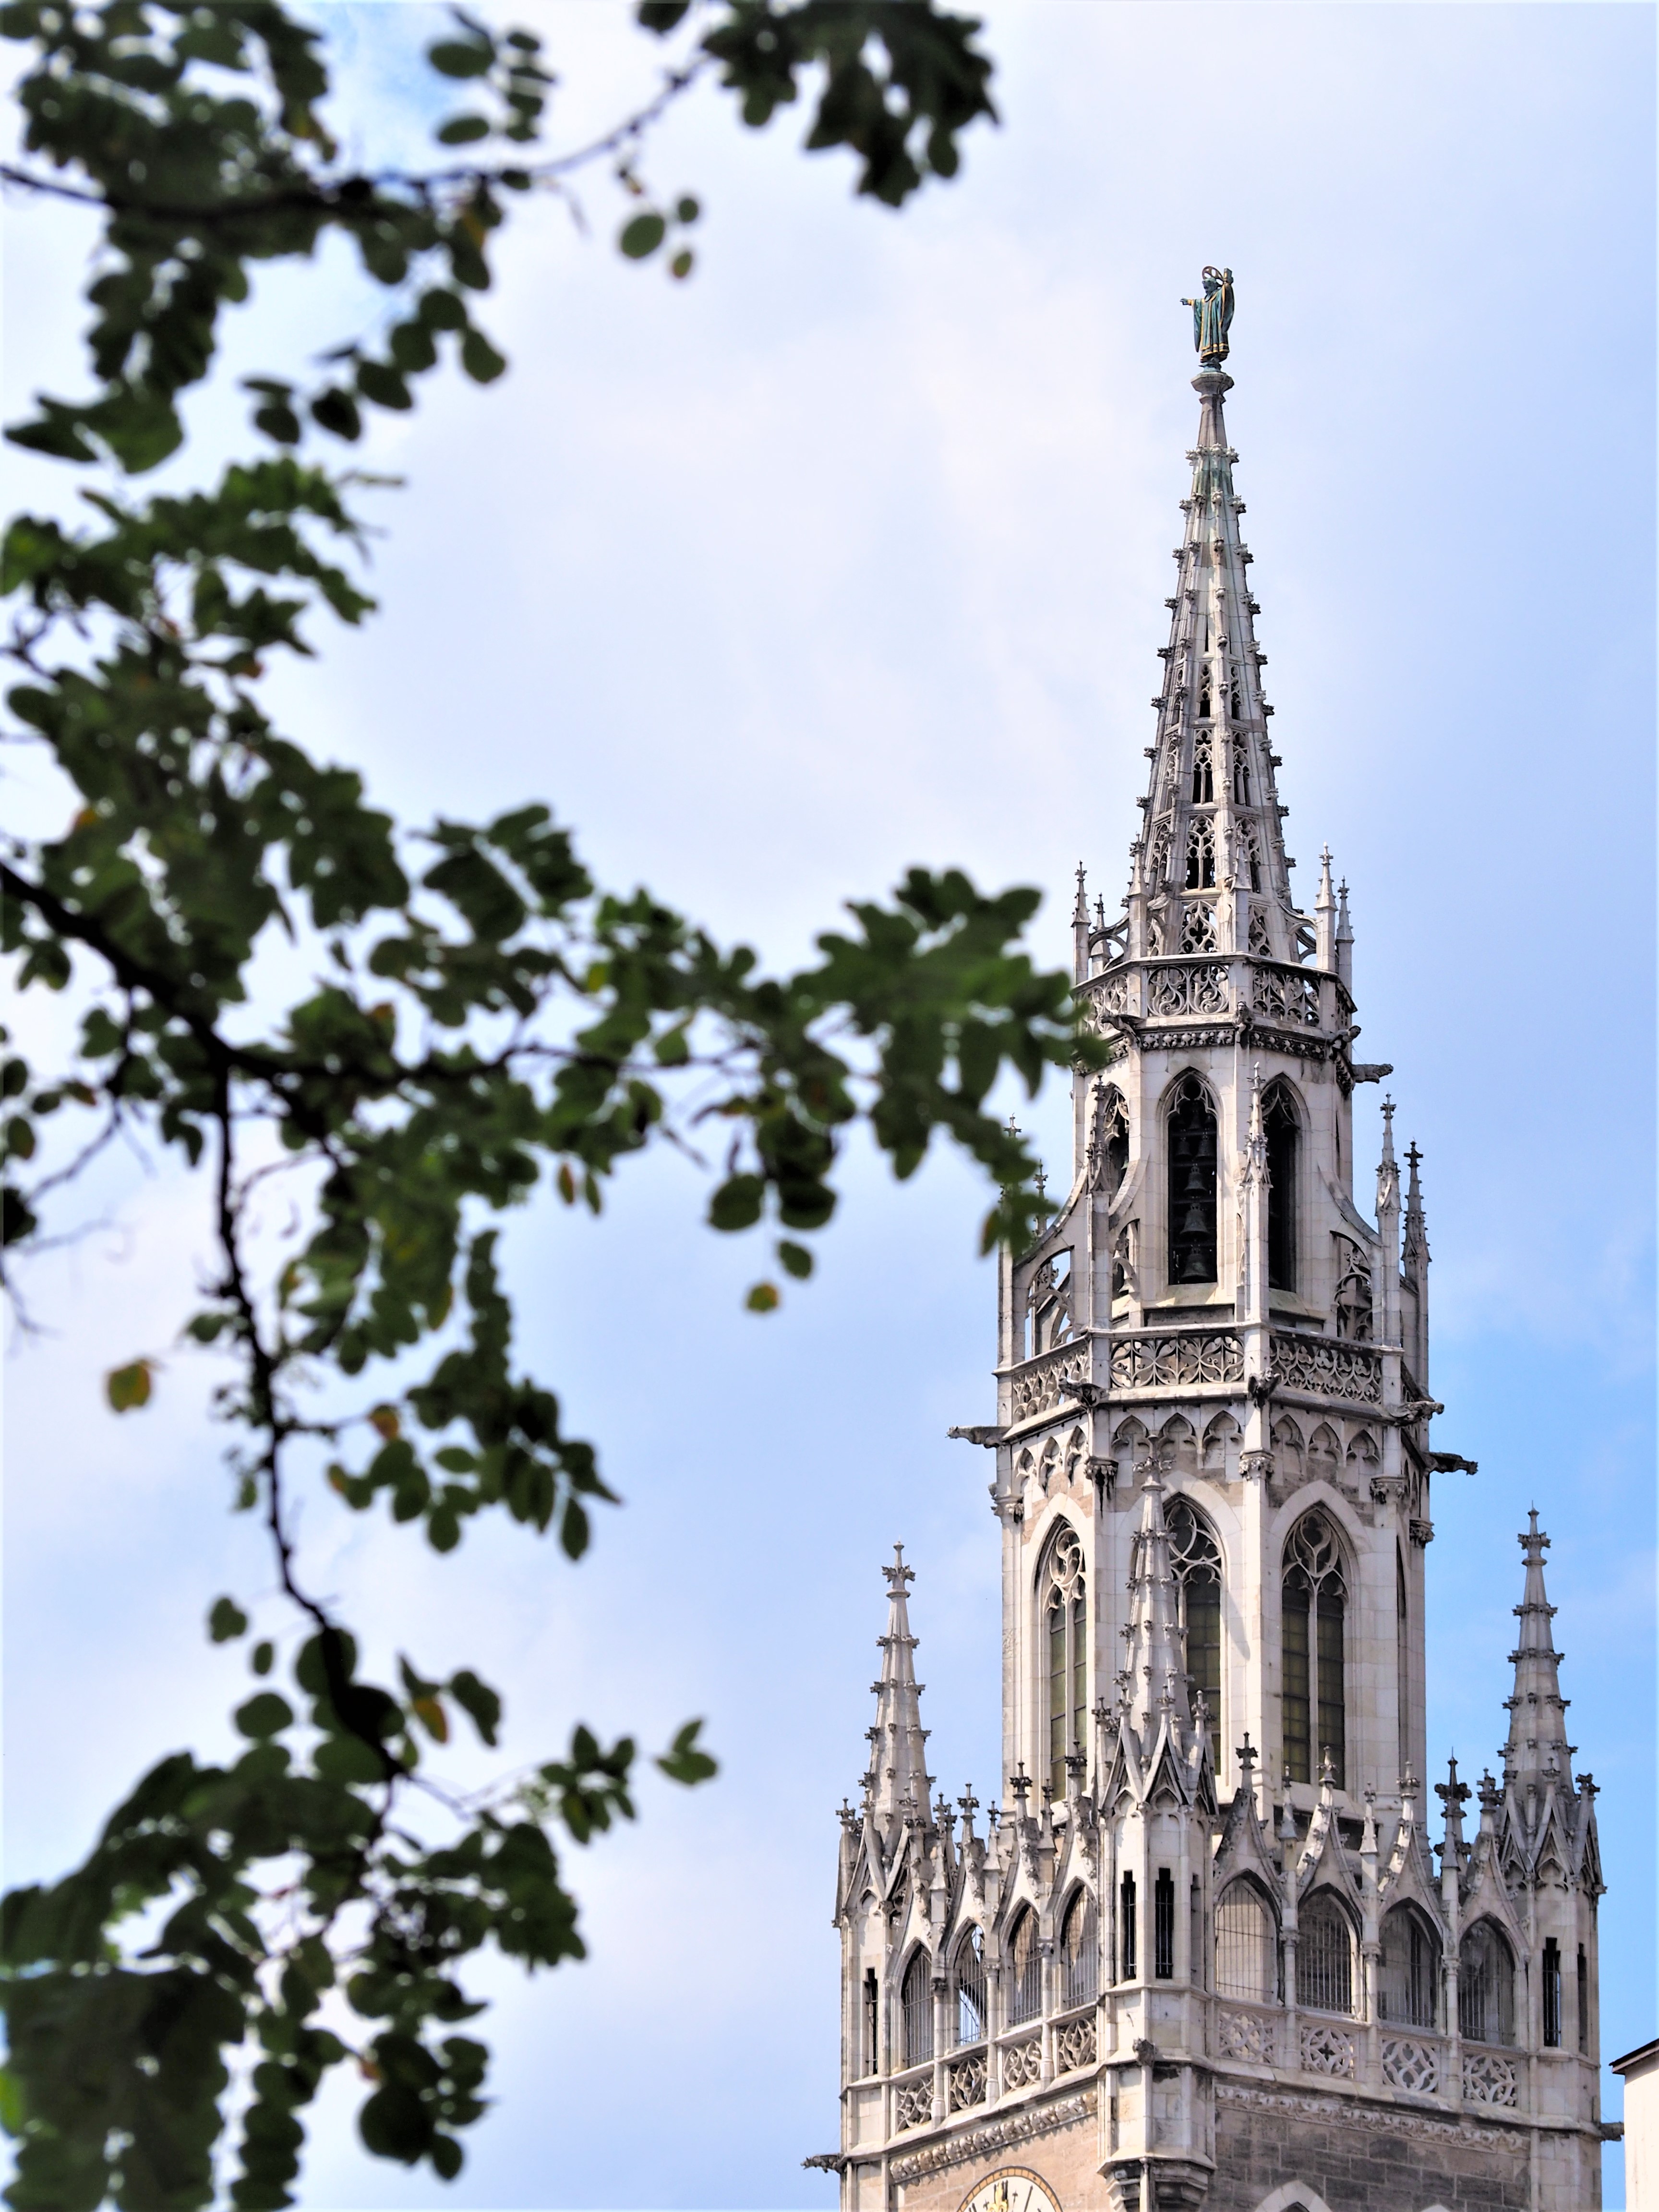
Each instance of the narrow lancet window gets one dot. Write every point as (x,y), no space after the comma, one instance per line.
(1485,1986)
(1126,1928)
(968,1987)
(916,1998)
(1195,1559)
(1283,1130)
(1080,1950)
(1163,1926)
(1551,1993)
(1324,1957)
(1065,1611)
(871,2021)
(1203,776)
(1192,1185)
(1409,1973)
(1025,1981)
(1312,1626)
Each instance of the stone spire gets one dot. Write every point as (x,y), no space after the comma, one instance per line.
(1537,1751)
(1212,816)
(1415,1248)
(899,1780)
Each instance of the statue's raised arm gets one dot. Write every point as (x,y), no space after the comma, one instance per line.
(1213,316)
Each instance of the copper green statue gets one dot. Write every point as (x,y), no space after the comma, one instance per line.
(1213,316)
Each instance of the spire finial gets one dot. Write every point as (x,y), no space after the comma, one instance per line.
(899,1772)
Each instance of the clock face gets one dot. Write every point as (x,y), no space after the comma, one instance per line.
(1012,2189)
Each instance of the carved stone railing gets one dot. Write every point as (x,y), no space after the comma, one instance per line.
(1285,994)
(1184,988)
(913,2102)
(1074,2044)
(1324,1367)
(1109,994)
(1022,2064)
(1327,2050)
(1246,2034)
(1490,2080)
(1035,1384)
(1409,2062)
(1180,1361)
(966,2081)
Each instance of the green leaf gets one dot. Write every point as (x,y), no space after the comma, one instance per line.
(128,1387)
(226,1621)
(796,1259)
(764,1297)
(480,359)
(686,210)
(684,1762)
(642,235)
(479,1702)
(680,266)
(263,1657)
(462,130)
(451,58)
(264,1714)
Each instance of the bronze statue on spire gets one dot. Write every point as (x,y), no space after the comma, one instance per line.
(1213,316)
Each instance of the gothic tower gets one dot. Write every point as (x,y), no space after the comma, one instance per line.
(1202,1952)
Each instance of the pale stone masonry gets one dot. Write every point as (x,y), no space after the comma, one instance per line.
(1200,1952)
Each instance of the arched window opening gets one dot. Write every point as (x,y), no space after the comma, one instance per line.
(1409,1973)
(1110,1146)
(1312,1628)
(1066,1614)
(1246,1946)
(1192,1185)
(1485,1986)
(1025,1978)
(1204,695)
(1551,1993)
(1324,1957)
(1221,1439)
(1163,1926)
(1196,1562)
(968,1987)
(871,2021)
(1049,1304)
(1283,1134)
(1126,1928)
(1324,1456)
(1233,700)
(1402,1659)
(1242,789)
(916,1999)
(1079,1952)
(1583,2001)
(1200,856)
(1203,776)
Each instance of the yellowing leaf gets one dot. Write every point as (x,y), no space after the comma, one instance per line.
(385,1423)
(433,1718)
(763,1298)
(128,1387)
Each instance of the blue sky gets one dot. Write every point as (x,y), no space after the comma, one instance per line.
(851,554)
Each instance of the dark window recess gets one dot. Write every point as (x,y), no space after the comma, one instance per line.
(1195,1935)
(1192,1185)
(1163,1925)
(1283,1136)
(1242,795)
(1195,1559)
(871,2022)
(1584,2000)
(1551,1994)
(1402,1688)
(1203,778)
(1025,1991)
(1408,1971)
(1125,1930)
(1311,1629)
(916,1996)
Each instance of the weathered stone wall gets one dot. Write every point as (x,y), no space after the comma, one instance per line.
(1362,2161)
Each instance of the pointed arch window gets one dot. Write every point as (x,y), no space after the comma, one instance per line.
(1126,1928)
(916,2001)
(968,1987)
(1312,1625)
(1408,1971)
(1065,1613)
(1025,1970)
(1079,1952)
(1246,1945)
(1111,1139)
(871,2021)
(1485,1986)
(1200,856)
(1196,1562)
(1324,1956)
(1242,779)
(1203,773)
(1192,1184)
(1551,1993)
(1282,1126)
(1048,1304)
